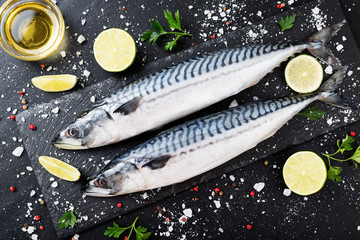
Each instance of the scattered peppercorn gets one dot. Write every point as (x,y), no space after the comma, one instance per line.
(183,219)
(233,184)
(227,23)
(26,225)
(221,193)
(123,8)
(22,93)
(41,227)
(282,5)
(212,36)
(158,208)
(37,218)
(195,199)
(119,205)
(167,219)
(224,9)
(352,134)
(42,66)
(252,193)
(249,226)
(191,189)
(23,101)
(25,107)
(266,162)
(31,126)
(216,189)
(193,44)
(279,6)
(12,117)
(126,237)
(42,202)
(195,189)
(12,189)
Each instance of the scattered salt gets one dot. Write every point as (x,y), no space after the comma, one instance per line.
(329,70)
(188,212)
(34,237)
(86,73)
(81,39)
(350,73)
(14,111)
(83,21)
(63,54)
(55,110)
(339,47)
(221,230)
(217,204)
(32,193)
(54,184)
(76,237)
(234,103)
(30,229)
(287,192)
(18,151)
(30,169)
(232,178)
(92,99)
(259,186)
(358,228)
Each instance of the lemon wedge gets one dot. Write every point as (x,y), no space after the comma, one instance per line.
(59,168)
(55,83)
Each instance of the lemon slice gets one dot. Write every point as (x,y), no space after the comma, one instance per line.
(55,83)
(59,168)
(304,173)
(304,74)
(114,50)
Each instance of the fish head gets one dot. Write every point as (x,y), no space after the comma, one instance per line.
(97,128)
(119,179)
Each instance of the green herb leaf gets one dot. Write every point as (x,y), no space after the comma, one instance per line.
(313,113)
(287,23)
(115,231)
(150,36)
(67,219)
(170,45)
(141,233)
(175,24)
(334,173)
(346,144)
(156,25)
(356,156)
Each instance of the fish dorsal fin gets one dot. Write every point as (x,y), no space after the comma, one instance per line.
(158,162)
(129,106)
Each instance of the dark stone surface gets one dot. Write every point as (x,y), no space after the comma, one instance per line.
(273,215)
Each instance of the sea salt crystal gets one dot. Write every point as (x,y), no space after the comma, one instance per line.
(76,237)
(14,111)
(18,151)
(34,237)
(315,10)
(145,196)
(290,2)
(55,110)
(188,212)
(215,18)
(92,99)
(259,186)
(343,38)
(81,62)
(221,31)
(81,39)
(14,139)
(287,192)
(54,184)
(350,73)
(30,229)
(83,21)
(49,68)
(32,193)
(234,103)
(329,70)
(63,54)
(30,169)
(217,204)
(232,178)
(259,13)
(358,228)
(190,7)
(221,230)
(86,73)
(339,47)
(8,109)
(45,115)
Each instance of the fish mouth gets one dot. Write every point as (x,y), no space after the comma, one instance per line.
(59,142)
(91,191)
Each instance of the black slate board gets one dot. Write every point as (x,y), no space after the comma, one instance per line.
(92,211)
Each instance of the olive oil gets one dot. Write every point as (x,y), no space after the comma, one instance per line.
(29,27)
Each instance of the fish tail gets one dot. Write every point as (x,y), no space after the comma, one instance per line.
(329,90)
(318,44)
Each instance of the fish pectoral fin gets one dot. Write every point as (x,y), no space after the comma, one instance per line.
(129,106)
(158,162)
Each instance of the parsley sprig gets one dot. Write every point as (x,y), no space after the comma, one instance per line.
(151,36)
(335,171)
(116,231)
(287,22)
(313,113)
(67,219)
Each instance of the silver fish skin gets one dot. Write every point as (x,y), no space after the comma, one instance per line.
(198,146)
(177,91)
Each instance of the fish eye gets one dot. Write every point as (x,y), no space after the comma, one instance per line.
(73,132)
(102,181)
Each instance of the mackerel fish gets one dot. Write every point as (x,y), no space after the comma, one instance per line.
(200,145)
(179,90)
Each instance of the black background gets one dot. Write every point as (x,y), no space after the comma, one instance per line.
(330,214)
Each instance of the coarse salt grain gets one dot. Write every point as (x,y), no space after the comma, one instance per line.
(232,178)
(83,21)
(259,186)
(81,39)
(32,193)
(18,151)
(92,99)
(188,212)
(54,184)
(328,70)
(339,47)
(217,204)
(30,169)
(63,54)
(86,73)
(287,192)
(55,110)
(234,103)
